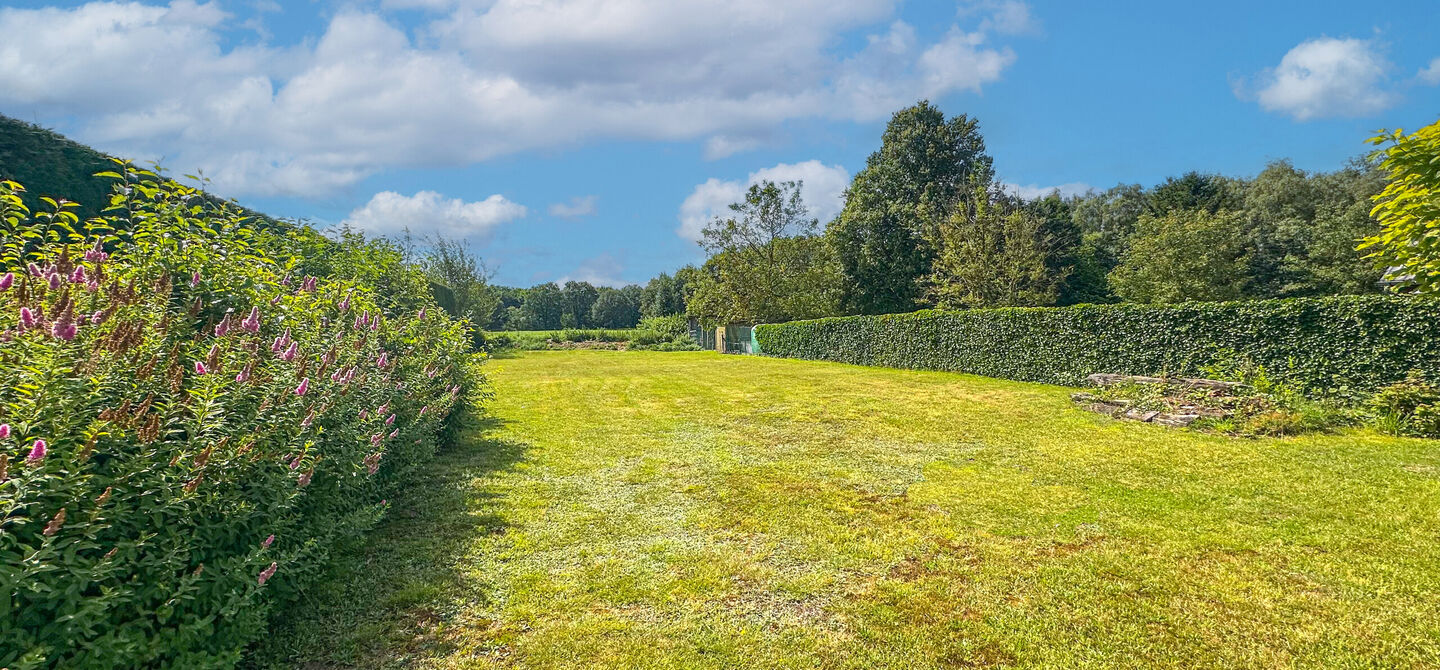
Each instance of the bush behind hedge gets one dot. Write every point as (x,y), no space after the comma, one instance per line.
(186,429)
(1337,346)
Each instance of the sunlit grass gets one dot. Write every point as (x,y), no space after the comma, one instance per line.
(659,510)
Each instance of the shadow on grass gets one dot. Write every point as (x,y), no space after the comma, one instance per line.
(390,595)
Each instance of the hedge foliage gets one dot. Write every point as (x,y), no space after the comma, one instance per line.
(1329,346)
(187,427)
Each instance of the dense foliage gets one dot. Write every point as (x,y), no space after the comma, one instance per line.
(1329,346)
(926,166)
(766,263)
(189,422)
(1409,207)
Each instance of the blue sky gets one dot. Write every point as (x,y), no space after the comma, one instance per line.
(589,139)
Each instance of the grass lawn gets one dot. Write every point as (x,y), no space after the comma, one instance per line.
(671,510)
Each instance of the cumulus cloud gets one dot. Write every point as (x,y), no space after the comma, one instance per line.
(1326,77)
(478,79)
(1033,191)
(823,193)
(576,208)
(389,213)
(1430,74)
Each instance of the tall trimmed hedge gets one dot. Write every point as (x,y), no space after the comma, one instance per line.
(1329,346)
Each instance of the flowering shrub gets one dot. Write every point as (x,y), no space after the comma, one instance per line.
(186,429)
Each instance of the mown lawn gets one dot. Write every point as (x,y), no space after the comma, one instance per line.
(671,510)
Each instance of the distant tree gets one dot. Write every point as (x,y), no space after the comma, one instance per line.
(543,307)
(1194,191)
(1332,264)
(1063,241)
(615,308)
(507,299)
(1304,228)
(1409,208)
(1105,221)
(884,237)
(809,288)
(663,296)
(765,259)
(995,252)
(450,264)
(578,297)
(1185,255)
(688,279)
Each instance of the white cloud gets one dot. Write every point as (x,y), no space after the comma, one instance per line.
(721,146)
(1033,191)
(482,79)
(1430,74)
(389,213)
(602,270)
(823,193)
(1006,17)
(1326,77)
(576,208)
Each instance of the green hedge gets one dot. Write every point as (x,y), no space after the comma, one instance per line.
(1332,346)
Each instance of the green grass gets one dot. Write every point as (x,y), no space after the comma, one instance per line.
(646,510)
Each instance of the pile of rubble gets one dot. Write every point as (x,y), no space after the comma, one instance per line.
(1180,401)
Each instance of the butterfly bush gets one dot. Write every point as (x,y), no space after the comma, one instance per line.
(184,432)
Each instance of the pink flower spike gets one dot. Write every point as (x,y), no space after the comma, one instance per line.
(268,541)
(54,280)
(4,430)
(37,453)
(244,375)
(7,280)
(267,573)
(27,318)
(290,353)
(390,420)
(295,464)
(364,414)
(421,315)
(424,409)
(200,368)
(252,322)
(34,270)
(78,276)
(195,279)
(394,433)
(309,419)
(383,409)
(97,318)
(303,387)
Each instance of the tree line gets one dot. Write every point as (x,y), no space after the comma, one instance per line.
(926,224)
